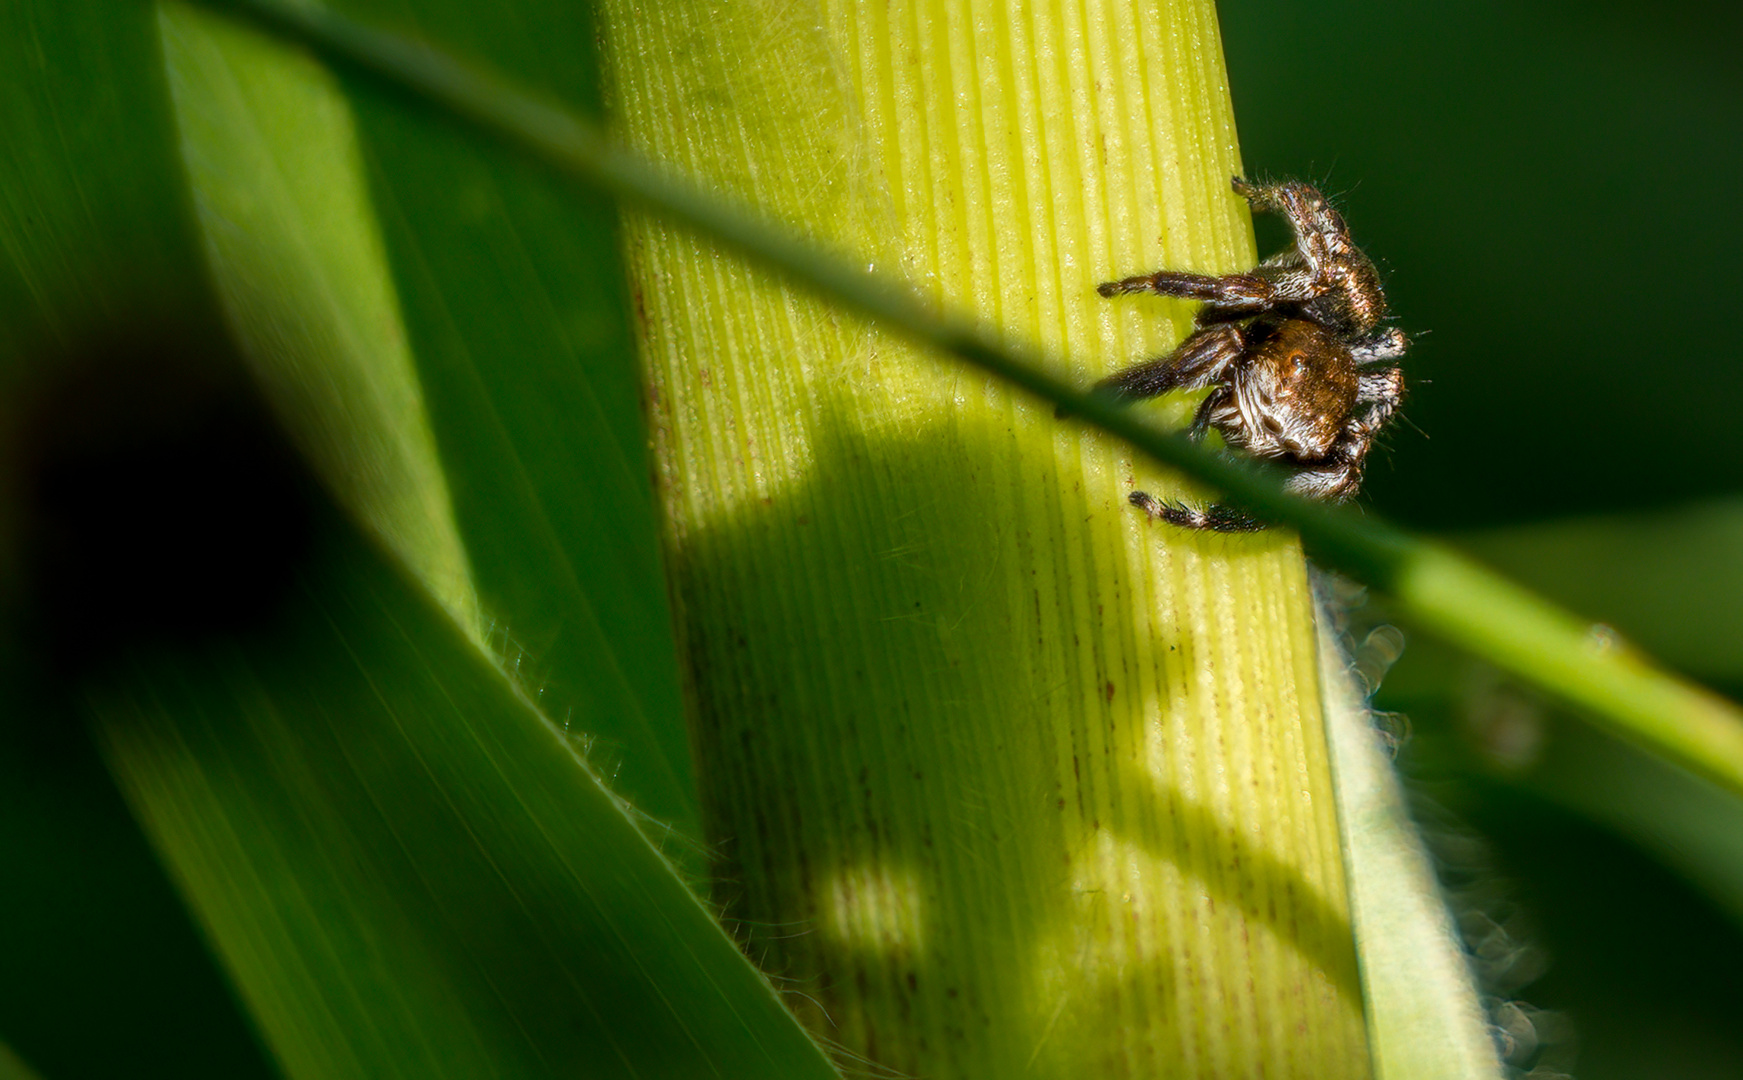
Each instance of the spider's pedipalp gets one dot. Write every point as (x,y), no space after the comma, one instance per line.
(1334,481)
(1383,387)
(1218,404)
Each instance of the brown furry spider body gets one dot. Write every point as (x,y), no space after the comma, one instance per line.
(1299,364)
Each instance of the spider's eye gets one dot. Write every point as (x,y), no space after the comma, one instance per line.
(1270,424)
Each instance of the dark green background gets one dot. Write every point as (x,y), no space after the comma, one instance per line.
(1550,189)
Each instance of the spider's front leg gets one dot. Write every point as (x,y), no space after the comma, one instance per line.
(1233,292)
(1202,359)
(1326,272)
(1320,233)
(1335,478)
(1382,391)
(1388,344)
(1217,517)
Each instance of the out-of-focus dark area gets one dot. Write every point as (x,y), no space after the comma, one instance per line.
(1547,188)
(156,498)
(150,502)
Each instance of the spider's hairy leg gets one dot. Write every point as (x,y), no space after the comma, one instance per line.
(1217,517)
(1336,479)
(1201,359)
(1383,392)
(1320,233)
(1245,291)
(1389,344)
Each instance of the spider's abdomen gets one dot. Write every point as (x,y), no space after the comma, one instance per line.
(1294,391)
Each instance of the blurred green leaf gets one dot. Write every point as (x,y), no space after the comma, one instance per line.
(450,889)
(1425,1021)
(532,455)
(1670,581)
(93,219)
(294,250)
(12,1067)
(412,872)
(518,315)
(105,972)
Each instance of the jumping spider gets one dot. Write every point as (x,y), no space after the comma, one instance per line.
(1293,348)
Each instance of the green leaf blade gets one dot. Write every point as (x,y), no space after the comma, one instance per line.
(106,973)
(515,306)
(470,336)
(412,872)
(407,869)
(1023,762)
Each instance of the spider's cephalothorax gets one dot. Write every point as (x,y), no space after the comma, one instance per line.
(1294,350)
